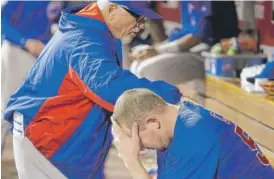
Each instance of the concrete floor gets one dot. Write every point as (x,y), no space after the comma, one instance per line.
(115,168)
(8,170)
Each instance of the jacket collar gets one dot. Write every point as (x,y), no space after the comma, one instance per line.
(69,20)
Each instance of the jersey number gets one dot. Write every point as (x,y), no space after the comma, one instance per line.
(251,145)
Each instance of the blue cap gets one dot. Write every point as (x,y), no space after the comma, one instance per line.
(139,7)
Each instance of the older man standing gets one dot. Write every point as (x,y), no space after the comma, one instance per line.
(60,114)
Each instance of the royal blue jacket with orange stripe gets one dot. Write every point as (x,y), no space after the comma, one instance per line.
(69,94)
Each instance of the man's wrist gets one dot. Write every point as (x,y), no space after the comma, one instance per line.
(133,164)
(171,47)
(137,170)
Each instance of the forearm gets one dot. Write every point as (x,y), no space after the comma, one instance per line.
(187,42)
(183,44)
(137,170)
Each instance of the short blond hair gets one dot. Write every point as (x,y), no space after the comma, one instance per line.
(135,104)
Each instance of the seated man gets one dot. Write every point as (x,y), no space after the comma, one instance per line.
(204,24)
(196,142)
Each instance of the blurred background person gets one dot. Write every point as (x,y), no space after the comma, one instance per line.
(248,15)
(26,29)
(204,23)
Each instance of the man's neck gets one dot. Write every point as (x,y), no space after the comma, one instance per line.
(170,117)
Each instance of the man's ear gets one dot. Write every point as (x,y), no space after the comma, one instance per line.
(111,10)
(153,121)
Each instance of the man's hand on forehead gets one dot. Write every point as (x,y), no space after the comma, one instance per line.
(129,150)
(128,146)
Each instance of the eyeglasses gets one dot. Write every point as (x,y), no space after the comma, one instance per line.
(139,19)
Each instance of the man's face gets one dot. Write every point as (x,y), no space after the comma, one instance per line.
(125,25)
(152,135)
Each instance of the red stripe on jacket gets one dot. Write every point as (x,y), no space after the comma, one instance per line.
(61,115)
(58,118)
